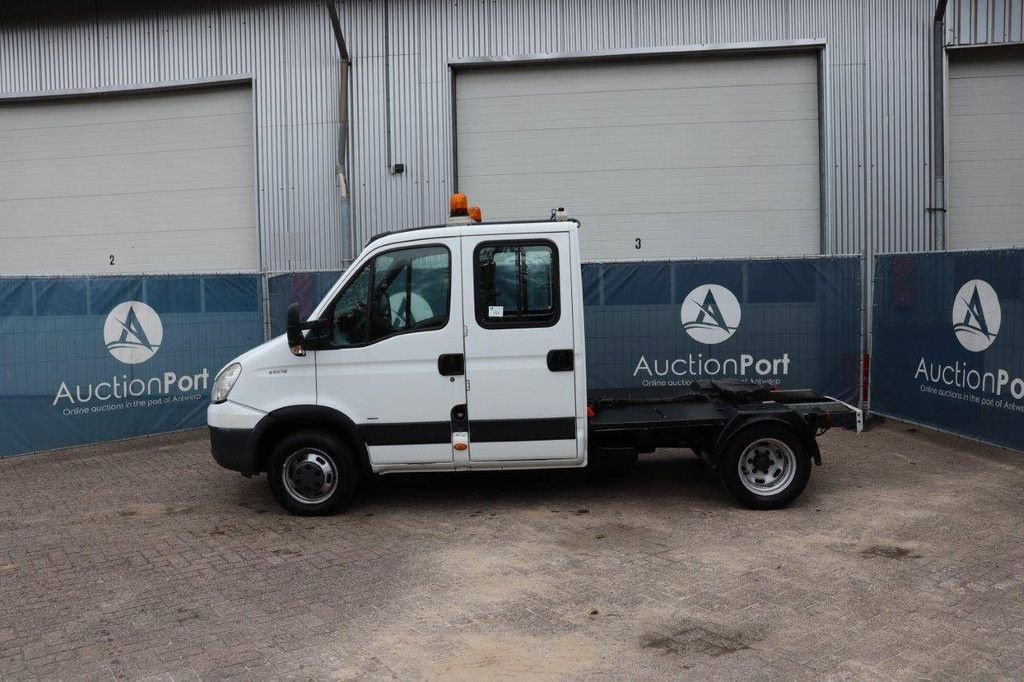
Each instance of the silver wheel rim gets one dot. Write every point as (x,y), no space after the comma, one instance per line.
(309,476)
(767,466)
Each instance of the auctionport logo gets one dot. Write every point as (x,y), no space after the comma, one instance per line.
(976,321)
(710,314)
(976,315)
(133,332)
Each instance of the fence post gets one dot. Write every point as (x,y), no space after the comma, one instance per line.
(265,303)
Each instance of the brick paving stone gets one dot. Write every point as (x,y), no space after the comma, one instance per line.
(147,561)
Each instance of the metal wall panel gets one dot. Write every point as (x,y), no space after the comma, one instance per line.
(674,158)
(877,81)
(984,22)
(986,148)
(143,183)
(877,91)
(287,49)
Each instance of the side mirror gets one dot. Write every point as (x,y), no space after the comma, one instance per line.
(294,330)
(296,341)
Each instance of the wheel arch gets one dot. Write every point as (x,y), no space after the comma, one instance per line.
(279,423)
(789,421)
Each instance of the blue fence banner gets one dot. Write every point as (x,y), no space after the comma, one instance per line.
(792,322)
(948,342)
(305,288)
(91,359)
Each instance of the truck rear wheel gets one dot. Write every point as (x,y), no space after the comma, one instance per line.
(312,473)
(765,466)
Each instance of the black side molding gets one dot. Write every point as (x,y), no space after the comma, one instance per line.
(480,431)
(511,430)
(408,433)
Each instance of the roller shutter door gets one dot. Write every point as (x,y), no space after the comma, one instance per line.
(986,149)
(684,158)
(140,183)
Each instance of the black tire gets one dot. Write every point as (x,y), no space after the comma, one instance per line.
(764,450)
(321,471)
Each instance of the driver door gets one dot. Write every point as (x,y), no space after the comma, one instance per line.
(395,327)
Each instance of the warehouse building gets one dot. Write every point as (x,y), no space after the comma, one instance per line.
(141,137)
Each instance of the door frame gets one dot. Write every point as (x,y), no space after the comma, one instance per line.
(545,430)
(402,433)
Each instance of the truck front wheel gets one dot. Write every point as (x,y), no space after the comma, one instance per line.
(312,472)
(765,466)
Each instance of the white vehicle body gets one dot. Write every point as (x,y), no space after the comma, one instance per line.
(523,414)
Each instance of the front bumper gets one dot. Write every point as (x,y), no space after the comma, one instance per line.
(231,449)
(231,435)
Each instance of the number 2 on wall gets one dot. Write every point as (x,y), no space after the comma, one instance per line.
(111,259)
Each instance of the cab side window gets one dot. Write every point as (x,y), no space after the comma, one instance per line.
(399,291)
(516,284)
(410,291)
(348,319)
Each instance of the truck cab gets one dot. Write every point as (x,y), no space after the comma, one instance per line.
(439,349)
(461,347)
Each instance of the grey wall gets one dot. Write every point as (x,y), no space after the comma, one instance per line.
(288,50)
(877,90)
(984,22)
(877,86)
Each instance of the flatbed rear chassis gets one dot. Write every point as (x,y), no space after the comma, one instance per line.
(705,415)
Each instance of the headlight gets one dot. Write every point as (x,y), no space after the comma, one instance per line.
(224,382)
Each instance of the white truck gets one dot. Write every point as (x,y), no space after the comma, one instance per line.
(461,348)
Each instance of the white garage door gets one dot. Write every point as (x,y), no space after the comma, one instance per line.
(129,184)
(683,158)
(986,149)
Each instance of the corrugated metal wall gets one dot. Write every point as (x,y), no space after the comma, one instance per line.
(984,22)
(878,91)
(287,49)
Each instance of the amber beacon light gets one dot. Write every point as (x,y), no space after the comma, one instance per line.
(458,205)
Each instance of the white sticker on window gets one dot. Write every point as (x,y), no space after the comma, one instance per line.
(495,311)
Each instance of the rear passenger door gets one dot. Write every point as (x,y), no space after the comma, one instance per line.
(520,359)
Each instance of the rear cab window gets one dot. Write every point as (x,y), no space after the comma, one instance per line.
(516,284)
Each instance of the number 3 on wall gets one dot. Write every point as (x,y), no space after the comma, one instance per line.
(636,244)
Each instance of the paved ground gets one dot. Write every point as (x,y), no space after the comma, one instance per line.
(903,559)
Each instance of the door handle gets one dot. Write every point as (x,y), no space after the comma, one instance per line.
(451,364)
(561,360)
